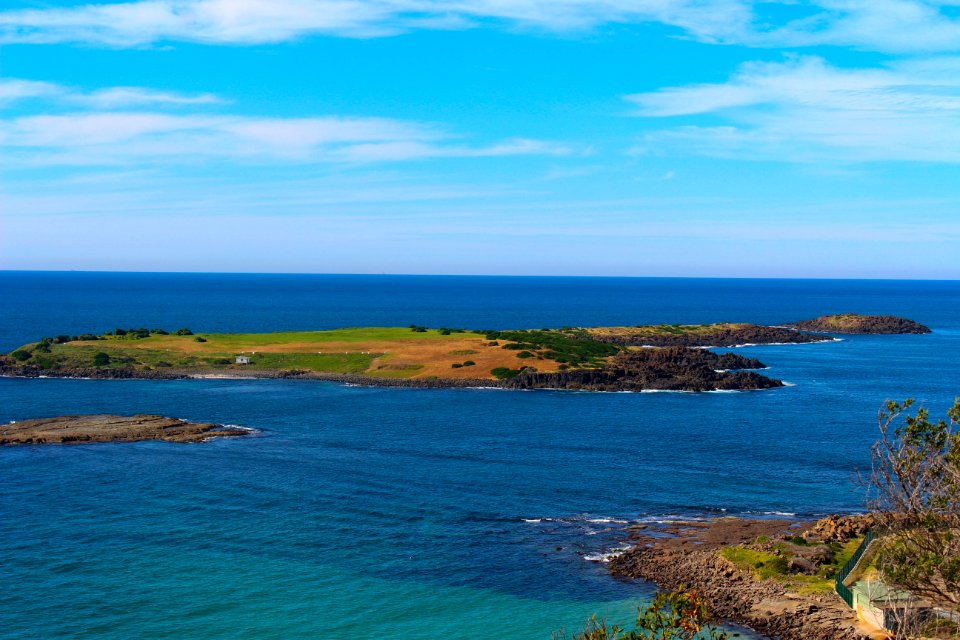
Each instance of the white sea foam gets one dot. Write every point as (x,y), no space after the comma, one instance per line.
(237,426)
(533,520)
(607,521)
(608,556)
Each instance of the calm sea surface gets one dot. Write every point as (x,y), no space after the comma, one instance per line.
(368,513)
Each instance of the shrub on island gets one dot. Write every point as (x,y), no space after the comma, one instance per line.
(101,359)
(184,332)
(20,355)
(503,373)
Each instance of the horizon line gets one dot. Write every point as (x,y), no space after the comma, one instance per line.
(475,275)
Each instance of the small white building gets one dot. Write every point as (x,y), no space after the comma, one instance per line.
(243,359)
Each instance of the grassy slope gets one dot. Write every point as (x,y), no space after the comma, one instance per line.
(669,329)
(764,565)
(394,352)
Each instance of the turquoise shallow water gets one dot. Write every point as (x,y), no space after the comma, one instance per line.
(369,513)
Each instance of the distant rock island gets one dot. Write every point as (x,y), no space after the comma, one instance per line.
(853,323)
(625,358)
(109,428)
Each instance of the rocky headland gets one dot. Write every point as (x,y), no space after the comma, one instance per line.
(110,428)
(773,576)
(853,323)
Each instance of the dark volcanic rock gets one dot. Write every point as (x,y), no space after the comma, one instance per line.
(668,369)
(107,428)
(855,323)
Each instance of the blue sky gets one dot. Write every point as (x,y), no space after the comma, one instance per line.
(570,137)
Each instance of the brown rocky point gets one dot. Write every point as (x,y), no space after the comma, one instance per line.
(688,554)
(110,428)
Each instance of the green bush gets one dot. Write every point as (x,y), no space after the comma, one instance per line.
(503,373)
(184,332)
(524,354)
(20,355)
(200,339)
(159,332)
(101,359)
(469,363)
(456,365)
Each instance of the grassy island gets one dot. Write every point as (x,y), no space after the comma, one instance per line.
(385,352)
(626,358)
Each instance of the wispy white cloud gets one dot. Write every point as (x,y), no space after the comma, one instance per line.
(875,25)
(806,110)
(122,138)
(884,25)
(258,21)
(14,89)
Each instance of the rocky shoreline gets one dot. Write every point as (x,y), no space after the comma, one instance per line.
(670,369)
(688,554)
(111,428)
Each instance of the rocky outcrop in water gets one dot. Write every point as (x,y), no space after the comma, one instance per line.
(668,369)
(109,428)
(853,323)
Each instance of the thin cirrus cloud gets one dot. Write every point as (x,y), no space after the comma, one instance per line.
(805,110)
(15,90)
(881,25)
(131,137)
(259,21)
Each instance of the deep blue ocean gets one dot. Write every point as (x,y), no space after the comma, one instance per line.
(364,513)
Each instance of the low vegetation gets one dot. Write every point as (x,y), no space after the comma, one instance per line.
(681,614)
(915,494)
(572,347)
